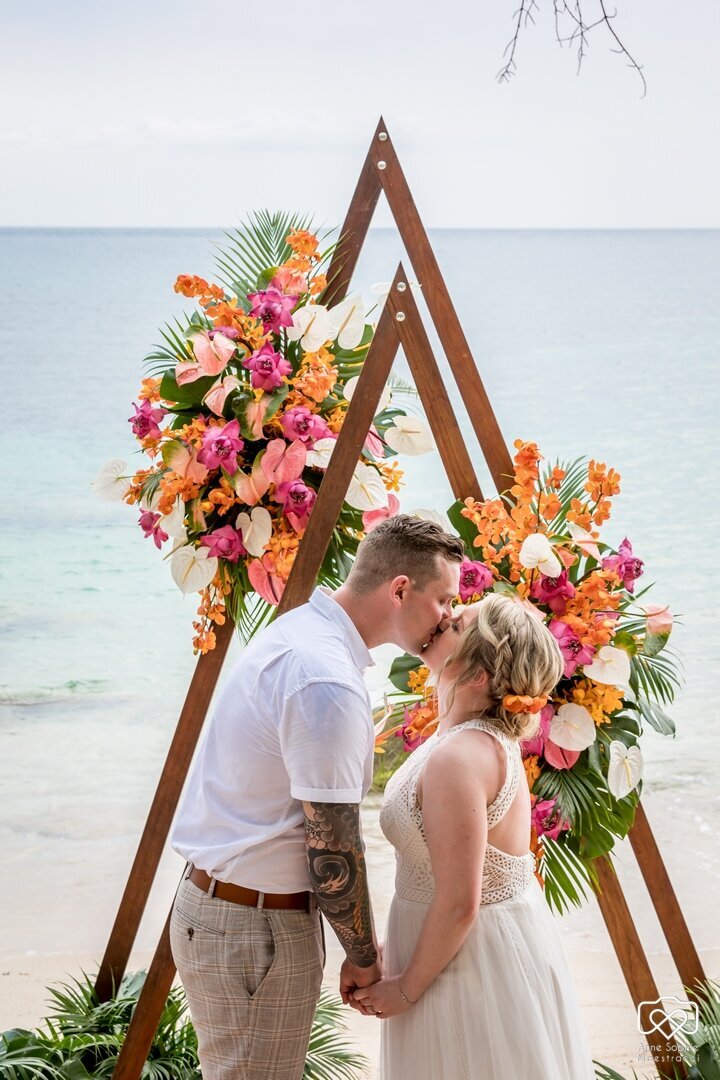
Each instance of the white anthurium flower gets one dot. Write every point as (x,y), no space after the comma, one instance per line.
(348,321)
(432,515)
(311,327)
(537,553)
(351,386)
(625,769)
(320,454)
(610,666)
(367,490)
(409,435)
(112,482)
(256,529)
(572,727)
(192,568)
(584,540)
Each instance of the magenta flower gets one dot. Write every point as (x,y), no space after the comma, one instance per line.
(300,423)
(547,820)
(227,331)
(273,308)
(626,565)
(408,733)
(536,744)
(576,654)
(297,501)
(225,543)
(555,592)
(146,419)
(149,522)
(221,446)
(475,578)
(268,368)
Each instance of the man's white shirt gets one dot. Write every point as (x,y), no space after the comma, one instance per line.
(293,722)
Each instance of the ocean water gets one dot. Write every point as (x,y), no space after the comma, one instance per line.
(598,343)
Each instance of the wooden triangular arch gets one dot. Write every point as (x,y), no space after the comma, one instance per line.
(400,325)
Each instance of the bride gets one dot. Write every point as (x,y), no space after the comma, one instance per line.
(476,983)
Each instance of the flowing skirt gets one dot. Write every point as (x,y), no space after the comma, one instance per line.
(503,1009)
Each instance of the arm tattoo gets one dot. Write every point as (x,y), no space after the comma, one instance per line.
(336,858)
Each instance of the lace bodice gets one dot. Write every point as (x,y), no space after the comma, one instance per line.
(401,820)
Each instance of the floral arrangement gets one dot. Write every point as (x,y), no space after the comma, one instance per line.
(541,543)
(239,418)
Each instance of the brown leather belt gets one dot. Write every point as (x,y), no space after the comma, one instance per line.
(238,894)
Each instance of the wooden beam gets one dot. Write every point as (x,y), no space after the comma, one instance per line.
(665,902)
(162,811)
(441,309)
(146,1014)
(431,388)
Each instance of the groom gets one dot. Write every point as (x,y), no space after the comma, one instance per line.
(270,819)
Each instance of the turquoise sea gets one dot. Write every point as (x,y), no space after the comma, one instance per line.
(598,343)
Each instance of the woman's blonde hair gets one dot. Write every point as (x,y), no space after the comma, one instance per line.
(519,655)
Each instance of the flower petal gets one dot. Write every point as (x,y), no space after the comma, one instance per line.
(348,321)
(311,326)
(409,435)
(112,482)
(611,666)
(351,385)
(367,489)
(321,452)
(572,727)
(625,768)
(192,568)
(256,529)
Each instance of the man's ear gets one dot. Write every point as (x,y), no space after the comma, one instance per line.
(399,587)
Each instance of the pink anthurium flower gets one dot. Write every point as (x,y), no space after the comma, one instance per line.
(266,584)
(217,395)
(374,444)
(283,461)
(251,487)
(212,354)
(225,543)
(475,578)
(183,461)
(659,619)
(572,648)
(558,756)
(273,308)
(268,368)
(371,518)
(220,447)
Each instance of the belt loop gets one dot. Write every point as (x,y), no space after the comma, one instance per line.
(188,871)
(260,901)
(211,890)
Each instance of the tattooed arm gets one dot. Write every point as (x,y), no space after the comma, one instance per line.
(336,859)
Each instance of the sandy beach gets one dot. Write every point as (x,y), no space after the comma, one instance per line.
(77,908)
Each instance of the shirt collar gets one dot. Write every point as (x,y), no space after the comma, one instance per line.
(322,601)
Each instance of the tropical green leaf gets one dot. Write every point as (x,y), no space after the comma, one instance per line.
(401,668)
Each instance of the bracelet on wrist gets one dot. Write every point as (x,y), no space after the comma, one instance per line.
(403,995)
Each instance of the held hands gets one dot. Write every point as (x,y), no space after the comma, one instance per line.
(353,977)
(383,999)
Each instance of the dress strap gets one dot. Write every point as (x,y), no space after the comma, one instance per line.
(499,807)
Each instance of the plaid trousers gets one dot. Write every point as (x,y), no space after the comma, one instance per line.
(252,978)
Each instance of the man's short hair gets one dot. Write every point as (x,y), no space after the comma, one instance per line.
(403,545)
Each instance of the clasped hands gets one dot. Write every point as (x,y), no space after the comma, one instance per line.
(365,990)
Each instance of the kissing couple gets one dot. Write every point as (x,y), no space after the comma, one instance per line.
(472,982)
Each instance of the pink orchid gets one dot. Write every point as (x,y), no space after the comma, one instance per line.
(220,447)
(265,583)
(273,308)
(212,354)
(283,461)
(297,501)
(626,565)
(268,368)
(547,820)
(146,419)
(149,522)
(371,518)
(374,444)
(576,654)
(555,592)
(289,281)
(474,578)
(217,395)
(225,543)
(300,423)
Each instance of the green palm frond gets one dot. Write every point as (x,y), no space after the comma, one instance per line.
(579,793)
(255,246)
(174,348)
(328,1057)
(568,878)
(655,677)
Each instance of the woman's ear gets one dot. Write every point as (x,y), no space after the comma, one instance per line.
(482,680)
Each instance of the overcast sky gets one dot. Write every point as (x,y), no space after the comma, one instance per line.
(177,113)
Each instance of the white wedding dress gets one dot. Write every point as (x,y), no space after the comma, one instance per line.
(504,1008)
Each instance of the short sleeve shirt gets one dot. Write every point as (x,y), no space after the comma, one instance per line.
(292,723)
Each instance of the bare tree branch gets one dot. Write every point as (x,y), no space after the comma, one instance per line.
(570,11)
